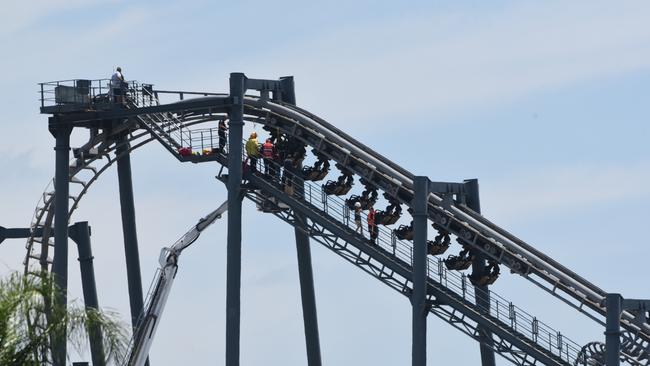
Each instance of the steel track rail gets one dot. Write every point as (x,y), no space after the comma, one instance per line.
(472,229)
(468,226)
(44,213)
(458,311)
(479,232)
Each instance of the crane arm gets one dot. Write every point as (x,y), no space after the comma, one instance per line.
(144,334)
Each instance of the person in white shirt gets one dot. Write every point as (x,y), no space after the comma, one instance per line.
(116,85)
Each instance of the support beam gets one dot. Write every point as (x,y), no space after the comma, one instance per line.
(61,204)
(131,252)
(287,90)
(478,270)
(639,308)
(307,293)
(233,271)
(419,295)
(20,233)
(80,233)
(305,271)
(13,233)
(347,244)
(613,306)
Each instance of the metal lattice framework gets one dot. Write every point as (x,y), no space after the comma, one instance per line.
(514,334)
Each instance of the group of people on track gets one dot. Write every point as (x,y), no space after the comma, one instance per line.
(372,225)
(273,157)
(276,157)
(279,161)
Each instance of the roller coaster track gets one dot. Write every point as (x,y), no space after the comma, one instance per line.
(450,296)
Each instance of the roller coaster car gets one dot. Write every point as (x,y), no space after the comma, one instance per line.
(267,203)
(309,173)
(438,227)
(314,174)
(344,189)
(457,263)
(335,188)
(365,203)
(352,200)
(436,247)
(404,232)
(491,278)
(483,280)
(322,174)
(330,187)
(386,219)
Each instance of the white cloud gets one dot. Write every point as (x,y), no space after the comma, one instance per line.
(21,15)
(438,62)
(541,191)
(430,62)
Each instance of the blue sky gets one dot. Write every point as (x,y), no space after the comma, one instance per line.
(545,103)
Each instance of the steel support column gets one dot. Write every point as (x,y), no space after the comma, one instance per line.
(305,271)
(131,252)
(129,230)
(61,205)
(288,90)
(233,271)
(613,306)
(80,233)
(418,298)
(478,270)
(307,293)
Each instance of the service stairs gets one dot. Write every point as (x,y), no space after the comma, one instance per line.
(169,130)
(449,293)
(41,242)
(84,169)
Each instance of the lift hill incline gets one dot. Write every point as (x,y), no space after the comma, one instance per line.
(174,125)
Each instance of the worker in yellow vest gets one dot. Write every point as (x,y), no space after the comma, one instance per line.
(253,151)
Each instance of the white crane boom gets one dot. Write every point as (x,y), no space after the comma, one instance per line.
(146,330)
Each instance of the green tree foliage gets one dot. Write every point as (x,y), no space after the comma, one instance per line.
(30,323)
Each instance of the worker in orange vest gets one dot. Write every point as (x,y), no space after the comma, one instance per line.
(268,152)
(372,227)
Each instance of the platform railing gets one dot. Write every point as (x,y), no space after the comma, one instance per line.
(501,310)
(142,94)
(88,92)
(171,96)
(74,91)
(166,122)
(204,139)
